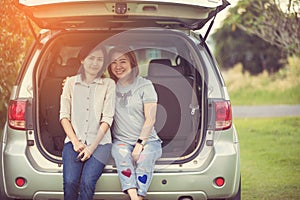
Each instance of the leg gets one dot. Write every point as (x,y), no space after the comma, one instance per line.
(71,172)
(145,166)
(132,192)
(91,172)
(121,153)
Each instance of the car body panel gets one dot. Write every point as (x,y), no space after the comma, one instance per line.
(215,153)
(202,3)
(124,14)
(197,182)
(196,175)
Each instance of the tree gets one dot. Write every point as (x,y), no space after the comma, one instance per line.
(259,35)
(15,38)
(272,20)
(234,45)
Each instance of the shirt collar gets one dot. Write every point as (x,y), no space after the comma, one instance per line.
(79,80)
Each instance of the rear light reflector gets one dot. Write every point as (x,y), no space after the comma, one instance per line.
(223,115)
(20,181)
(16,114)
(219,181)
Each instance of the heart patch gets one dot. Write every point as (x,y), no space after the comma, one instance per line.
(143,179)
(123,152)
(126,172)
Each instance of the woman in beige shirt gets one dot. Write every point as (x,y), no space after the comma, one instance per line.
(86,114)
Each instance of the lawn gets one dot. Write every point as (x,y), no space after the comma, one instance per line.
(273,89)
(270,158)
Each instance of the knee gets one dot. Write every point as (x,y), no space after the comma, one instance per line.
(88,184)
(71,184)
(120,153)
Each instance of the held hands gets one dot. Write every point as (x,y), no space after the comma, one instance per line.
(137,150)
(78,146)
(86,153)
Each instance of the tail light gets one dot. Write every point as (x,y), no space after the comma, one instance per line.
(16,114)
(219,181)
(20,181)
(223,115)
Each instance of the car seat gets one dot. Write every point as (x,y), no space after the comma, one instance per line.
(52,133)
(174,121)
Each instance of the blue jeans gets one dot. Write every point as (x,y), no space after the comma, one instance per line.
(136,175)
(79,176)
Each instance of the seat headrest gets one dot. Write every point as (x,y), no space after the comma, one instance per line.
(75,62)
(166,62)
(70,69)
(162,67)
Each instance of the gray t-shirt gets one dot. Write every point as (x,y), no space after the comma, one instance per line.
(129,115)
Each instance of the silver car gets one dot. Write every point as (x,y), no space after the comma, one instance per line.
(201,156)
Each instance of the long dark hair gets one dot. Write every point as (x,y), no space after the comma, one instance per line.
(85,52)
(129,53)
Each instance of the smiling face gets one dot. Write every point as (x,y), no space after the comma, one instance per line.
(120,66)
(93,63)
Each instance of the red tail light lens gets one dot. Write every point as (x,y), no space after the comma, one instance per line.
(223,115)
(219,181)
(16,114)
(20,181)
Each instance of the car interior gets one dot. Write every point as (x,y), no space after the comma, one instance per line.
(179,93)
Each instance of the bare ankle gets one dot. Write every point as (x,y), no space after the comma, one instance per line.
(140,197)
(132,192)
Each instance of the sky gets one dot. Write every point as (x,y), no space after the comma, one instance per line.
(222,15)
(219,18)
(218,23)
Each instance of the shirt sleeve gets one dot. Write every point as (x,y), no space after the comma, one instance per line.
(149,93)
(65,101)
(109,103)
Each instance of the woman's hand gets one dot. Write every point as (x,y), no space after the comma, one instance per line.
(64,82)
(137,150)
(85,154)
(78,146)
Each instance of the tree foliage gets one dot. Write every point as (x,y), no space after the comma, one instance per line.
(234,45)
(15,38)
(259,35)
(275,21)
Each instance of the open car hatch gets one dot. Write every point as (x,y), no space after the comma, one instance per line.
(125,14)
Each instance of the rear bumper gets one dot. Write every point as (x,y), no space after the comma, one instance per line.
(122,196)
(45,185)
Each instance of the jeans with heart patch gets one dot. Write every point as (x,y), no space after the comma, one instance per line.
(139,174)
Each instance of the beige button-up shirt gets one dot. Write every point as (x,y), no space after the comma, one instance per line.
(87,105)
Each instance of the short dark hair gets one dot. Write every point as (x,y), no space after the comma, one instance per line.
(129,53)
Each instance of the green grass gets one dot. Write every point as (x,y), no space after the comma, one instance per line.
(279,88)
(270,158)
(248,96)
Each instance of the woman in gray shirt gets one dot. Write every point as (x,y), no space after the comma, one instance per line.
(86,113)
(136,145)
